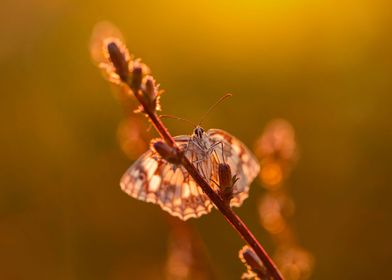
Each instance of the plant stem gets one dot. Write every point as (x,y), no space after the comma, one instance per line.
(148,100)
(226,211)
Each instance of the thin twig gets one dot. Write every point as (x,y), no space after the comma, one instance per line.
(134,85)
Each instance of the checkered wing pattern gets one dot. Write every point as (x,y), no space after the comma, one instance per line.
(154,180)
(241,160)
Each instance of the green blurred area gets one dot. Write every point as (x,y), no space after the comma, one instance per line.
(325,66)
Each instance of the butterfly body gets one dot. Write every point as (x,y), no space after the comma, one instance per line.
(200,141)
(155,180)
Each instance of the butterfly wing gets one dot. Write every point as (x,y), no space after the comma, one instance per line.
(241,160)
(154,180)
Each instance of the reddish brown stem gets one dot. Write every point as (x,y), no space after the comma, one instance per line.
(148,102)
(227,212)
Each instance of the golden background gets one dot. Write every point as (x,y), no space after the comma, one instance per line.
(325,66)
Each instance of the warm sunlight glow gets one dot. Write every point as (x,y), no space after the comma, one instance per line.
(271,175)
(270,211)
(295,263)
(132,136)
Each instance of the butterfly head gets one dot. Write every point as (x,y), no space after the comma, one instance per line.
(198,132)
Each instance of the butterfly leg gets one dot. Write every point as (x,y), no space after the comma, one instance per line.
(213,150)
(212,180)
(199,167)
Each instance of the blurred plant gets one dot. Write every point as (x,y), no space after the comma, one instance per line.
(277,151)
(294,262)
(134,79)
(187,257)
(278,154)
(132,136)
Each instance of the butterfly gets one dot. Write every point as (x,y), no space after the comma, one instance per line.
(153,179)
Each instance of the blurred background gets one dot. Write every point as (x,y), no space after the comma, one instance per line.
(323,66)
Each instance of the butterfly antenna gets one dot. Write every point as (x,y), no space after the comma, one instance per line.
(227,95)
(177,118)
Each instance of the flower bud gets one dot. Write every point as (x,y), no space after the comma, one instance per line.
(166,152)
(117,57)
(224,172)
(150,88)
(255,267)
(226,182)
(137,77)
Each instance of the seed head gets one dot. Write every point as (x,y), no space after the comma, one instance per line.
(118,58)
(150,88)
(137,76)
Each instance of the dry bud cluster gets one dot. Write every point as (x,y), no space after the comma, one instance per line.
(121,68)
